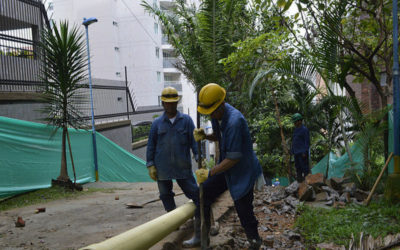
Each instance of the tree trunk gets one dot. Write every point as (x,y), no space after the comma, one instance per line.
(284,144)
(346,142)
(63,171)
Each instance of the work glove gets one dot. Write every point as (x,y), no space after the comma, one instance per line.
(199,134)
(202,175)
(153,172)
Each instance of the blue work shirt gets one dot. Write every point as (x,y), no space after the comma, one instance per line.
(168,147)
(300,140)
(235,144)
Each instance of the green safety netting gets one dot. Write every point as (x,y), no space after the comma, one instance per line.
(337,166)
(29,158)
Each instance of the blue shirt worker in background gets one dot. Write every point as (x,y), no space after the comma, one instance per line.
(238,167)
(168,151)
(300,147)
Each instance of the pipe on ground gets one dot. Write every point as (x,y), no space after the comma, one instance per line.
(148,234)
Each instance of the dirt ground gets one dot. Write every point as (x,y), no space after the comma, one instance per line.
(72,224)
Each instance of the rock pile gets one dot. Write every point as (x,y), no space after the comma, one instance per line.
(335,192)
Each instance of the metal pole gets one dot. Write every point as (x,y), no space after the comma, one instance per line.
(126,92)
(396,91)
(204,233)
(91,103)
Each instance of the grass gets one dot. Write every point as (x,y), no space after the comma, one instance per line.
(45,195)
(321,225)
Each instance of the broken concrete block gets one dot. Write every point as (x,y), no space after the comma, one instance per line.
(306,192)
(350,188)
(345,197)
(316,180)
(322,196)
(292,188)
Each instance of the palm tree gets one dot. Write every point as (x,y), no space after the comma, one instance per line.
(202,37)
(65,69)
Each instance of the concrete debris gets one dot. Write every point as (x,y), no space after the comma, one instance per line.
(292,201)
(322,196)
(306,192)
(345,197)
(292,188)
(315,180)
(276,209)
(278,193)
(350,188)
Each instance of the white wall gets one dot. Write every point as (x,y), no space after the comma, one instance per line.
(132,33)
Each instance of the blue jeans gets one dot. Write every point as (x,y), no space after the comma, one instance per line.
(213,187)
(301,164)
(188,186)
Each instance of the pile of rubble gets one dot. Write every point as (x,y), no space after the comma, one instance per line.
(275,208)
(333,192)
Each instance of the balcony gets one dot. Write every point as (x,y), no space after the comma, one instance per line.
(167,4)
(175,84)
(164,40)
(169,62)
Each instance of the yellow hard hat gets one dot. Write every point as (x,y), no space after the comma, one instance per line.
(169,94)
(210,97)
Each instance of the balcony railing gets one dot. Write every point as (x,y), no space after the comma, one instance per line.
(164,40)
(175,84)
(169,62)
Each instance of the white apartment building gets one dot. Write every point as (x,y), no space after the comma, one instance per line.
(127,36)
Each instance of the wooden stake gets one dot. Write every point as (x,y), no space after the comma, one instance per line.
(378,179)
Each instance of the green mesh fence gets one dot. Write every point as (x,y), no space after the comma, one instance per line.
(29,158)
(337,166)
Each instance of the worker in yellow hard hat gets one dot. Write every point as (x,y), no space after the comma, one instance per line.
(168,151)
(238,168)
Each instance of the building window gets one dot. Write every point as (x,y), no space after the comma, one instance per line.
(156,28)
(157,52)
(115,23)
(155,4)
(158,76)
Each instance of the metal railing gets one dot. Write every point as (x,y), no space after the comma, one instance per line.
(175,84)
(22,22)
(169,62)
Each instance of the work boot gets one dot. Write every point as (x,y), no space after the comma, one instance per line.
(196,239)
(255,244)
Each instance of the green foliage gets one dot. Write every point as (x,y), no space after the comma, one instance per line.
(64,54)
(209,163)
(65,58)
(140,132)
(201,38)
(45,195)
(269,147)
(319,225)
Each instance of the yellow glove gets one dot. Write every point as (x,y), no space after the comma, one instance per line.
(202,175)
(153,172)
(199,134)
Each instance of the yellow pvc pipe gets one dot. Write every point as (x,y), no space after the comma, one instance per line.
(148,234)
